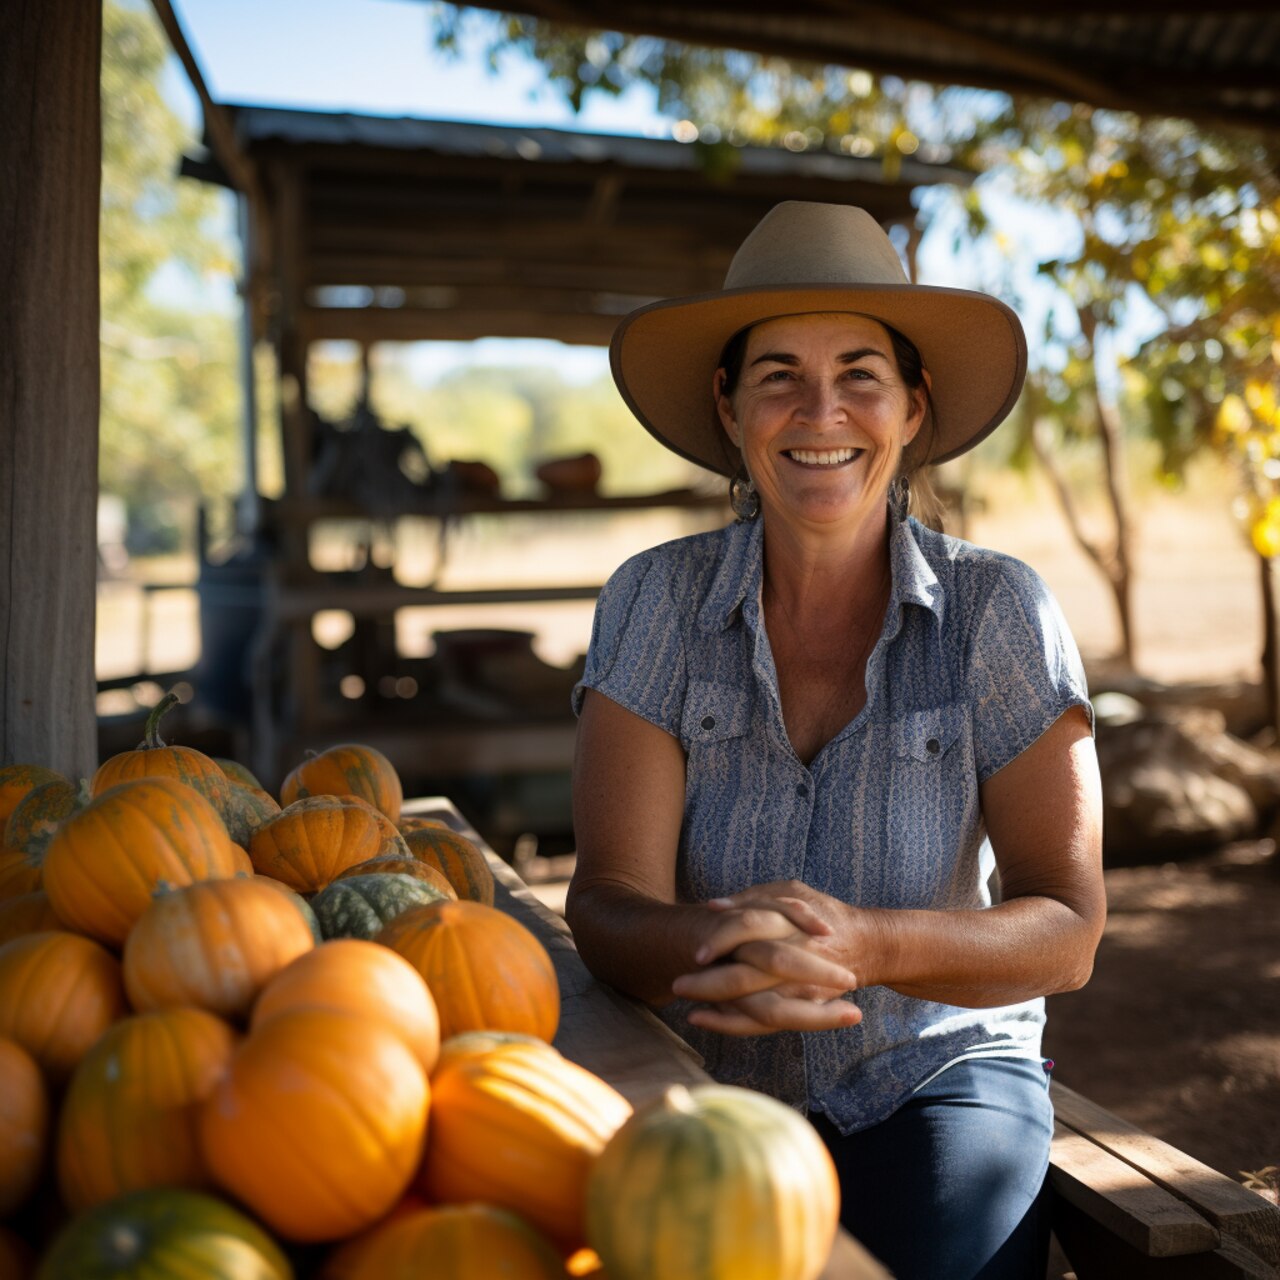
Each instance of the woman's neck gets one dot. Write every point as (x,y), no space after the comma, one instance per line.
(810,574)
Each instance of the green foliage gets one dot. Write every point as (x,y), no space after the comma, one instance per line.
(170,400)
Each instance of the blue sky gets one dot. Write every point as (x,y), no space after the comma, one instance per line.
(377,56)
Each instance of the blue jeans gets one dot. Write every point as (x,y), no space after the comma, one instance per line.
(950,1187)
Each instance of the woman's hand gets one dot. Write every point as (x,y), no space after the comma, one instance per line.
(773,960)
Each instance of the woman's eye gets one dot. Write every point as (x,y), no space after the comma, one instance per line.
(777,375)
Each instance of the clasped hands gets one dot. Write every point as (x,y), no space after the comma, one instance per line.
(773,960)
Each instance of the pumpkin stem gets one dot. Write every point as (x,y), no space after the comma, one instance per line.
(152,738)
(84,793)
(123,1244)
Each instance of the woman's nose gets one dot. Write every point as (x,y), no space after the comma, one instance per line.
(821,403)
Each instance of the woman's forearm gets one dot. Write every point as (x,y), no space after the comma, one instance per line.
(1028,947)
(631,941)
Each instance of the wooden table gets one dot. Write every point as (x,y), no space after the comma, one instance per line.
(617,1038)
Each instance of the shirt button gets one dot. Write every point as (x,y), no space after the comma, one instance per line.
(933,746)
(708,722)
(802,790)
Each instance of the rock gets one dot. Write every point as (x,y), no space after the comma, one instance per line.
(1175,783)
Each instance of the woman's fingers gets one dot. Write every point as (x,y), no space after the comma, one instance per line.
(767,1011)
(732,929)
(757,966)
(788,898)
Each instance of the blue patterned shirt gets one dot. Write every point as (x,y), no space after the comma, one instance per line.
(973,664)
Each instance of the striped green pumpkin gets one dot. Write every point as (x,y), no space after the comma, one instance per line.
(713,1182)
(360,906)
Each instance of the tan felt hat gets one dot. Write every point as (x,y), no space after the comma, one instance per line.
(804,257)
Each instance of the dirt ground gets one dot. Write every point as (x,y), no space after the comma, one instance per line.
(1179,1029)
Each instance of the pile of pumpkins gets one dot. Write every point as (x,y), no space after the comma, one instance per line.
(250,1039)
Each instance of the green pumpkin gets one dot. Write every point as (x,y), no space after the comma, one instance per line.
(32,823)
(359,906)
(238,773)
(164,1234)
(247,810)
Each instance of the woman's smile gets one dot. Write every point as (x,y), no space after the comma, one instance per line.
(822,458)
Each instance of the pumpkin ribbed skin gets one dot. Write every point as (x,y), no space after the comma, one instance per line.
(58,993)
(24,1125)
(27,834)
(463,1242)
(318,1124)
(347,770)
(395,864)
(300,904)
(312,841)
(16,780)
(212,945)
(467,1044)
(153,759)
(462,864)
(248,808)
(164,1234)
(237,773)
(130,1116)
(485,970)
(27,913)
(519,1127)
(362,906)
(353,976)
(728,1176)
(106,860)
(413,823)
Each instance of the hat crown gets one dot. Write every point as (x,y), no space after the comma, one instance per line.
(800,242)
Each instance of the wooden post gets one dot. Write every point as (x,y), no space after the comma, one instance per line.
(50,178)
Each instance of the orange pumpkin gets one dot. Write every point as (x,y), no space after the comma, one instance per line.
(485,970)
(318,1125)
(415,823)
(464,1242)
(352,975)
(16,780)
(462,863)
(347,770)
(467,1044)
(27,913)
(237,773)
(130,1116)
(312,841)
(153,759)
(27,834)
(58,993)
(212,945)
(17,1258)
(24,1125)
(105,861)
(395,864)
(520,1127)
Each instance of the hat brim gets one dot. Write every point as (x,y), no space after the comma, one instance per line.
(664,357)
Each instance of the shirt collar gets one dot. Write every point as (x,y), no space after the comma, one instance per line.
(741,568)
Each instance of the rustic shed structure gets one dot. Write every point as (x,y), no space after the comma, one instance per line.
(1218,65)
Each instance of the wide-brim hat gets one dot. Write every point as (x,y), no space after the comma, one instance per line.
(801,258)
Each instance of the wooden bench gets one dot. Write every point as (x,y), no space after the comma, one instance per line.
(1125,1205)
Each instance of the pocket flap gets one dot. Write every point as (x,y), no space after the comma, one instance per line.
(927,735)
(714,711)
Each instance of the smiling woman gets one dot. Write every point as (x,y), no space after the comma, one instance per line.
(807,741)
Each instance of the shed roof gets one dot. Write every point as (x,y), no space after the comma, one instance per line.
(408,229)
(1218,63)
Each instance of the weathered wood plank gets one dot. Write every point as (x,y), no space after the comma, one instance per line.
(1236,1211)
(617,1038)
(1125,1201)
(50,174)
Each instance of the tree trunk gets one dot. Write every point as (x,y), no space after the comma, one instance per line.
(1270,647)
(50,177)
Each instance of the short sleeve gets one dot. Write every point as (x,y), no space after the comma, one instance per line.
(636,656)
(1024,669)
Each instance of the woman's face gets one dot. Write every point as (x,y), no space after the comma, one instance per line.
(821,414)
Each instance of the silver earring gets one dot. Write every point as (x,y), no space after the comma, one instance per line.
(900,498)
(743,497)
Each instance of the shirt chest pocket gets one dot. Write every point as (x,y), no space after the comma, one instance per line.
(929,736)
(714,713)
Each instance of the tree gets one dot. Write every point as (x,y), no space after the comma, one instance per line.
(170,404)
(1165,212)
